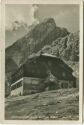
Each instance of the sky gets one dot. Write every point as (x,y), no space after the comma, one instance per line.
(16,15)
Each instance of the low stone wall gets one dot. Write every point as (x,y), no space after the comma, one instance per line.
(66,84)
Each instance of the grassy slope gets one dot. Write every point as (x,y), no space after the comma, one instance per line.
(57,104)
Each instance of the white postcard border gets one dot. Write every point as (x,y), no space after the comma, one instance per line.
(2,59)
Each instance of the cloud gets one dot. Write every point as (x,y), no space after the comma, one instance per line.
(20,15)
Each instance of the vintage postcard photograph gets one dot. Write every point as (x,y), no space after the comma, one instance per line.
(42,62)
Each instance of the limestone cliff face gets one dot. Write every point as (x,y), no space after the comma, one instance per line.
(67,48)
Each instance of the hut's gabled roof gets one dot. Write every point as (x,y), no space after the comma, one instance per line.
(50,57)
(37,65)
